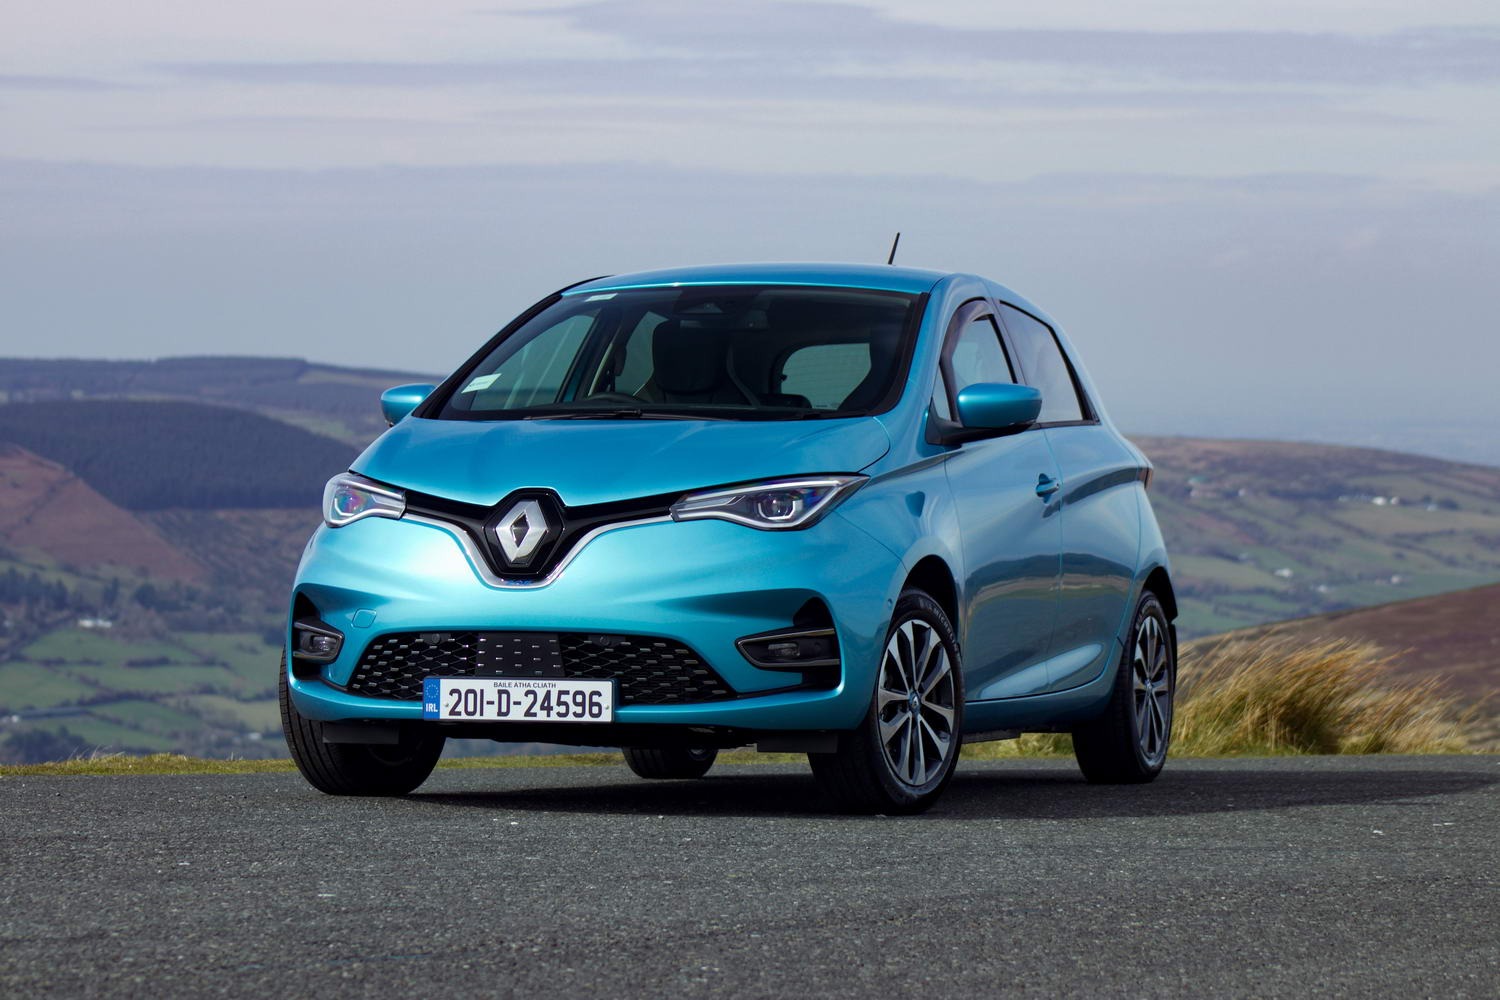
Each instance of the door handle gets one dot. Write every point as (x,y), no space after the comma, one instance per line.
(1047,485)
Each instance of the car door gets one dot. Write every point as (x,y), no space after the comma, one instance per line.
(1011,537)
(1099,505)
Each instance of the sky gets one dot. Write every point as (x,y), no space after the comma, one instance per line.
(1262,219)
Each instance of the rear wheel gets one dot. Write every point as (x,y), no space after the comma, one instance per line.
(354,768)
(1128,743)
(902,755)
(671,762)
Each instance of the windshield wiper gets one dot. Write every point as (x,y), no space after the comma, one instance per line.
(624,413)
(802,414)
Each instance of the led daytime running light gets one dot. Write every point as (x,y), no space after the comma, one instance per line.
(776,505)
(348,498)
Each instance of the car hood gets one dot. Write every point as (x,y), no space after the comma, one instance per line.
(601,461)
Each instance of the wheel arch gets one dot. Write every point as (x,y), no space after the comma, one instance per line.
(1159,582)
(933,576)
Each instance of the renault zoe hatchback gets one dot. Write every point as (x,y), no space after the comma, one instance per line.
(863,513)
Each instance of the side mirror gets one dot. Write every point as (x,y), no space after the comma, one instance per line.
(995,406)
(400,401)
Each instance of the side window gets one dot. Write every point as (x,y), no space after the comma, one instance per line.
(1045,367)
(825,373)
(977,355)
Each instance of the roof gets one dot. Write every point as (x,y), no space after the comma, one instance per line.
(879,276)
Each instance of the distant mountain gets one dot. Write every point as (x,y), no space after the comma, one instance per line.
(160,455)
(339,402)
(1261,531)
(152,514)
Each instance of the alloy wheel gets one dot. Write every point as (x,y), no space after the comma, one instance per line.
(915,706)
(1151,665)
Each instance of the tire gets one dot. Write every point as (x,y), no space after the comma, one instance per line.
(670,763)
(1128,743)
(352,768)
(886,765)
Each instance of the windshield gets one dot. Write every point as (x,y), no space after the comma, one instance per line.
(742,352)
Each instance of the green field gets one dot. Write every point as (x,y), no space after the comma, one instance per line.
(1263,531)
(210,694)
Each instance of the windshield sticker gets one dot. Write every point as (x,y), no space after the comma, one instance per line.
(600,297)
(482,382)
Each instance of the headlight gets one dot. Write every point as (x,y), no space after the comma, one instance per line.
(780,505)
(348,497)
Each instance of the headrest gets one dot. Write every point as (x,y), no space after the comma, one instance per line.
(885,339)
(687,360)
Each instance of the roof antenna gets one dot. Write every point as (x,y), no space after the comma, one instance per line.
(894,244)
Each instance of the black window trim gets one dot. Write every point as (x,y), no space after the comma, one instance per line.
(951,432)
(437,400)
(1085,403)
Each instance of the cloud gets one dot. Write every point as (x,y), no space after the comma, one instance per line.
(824,33)
(25,81)
(688,82)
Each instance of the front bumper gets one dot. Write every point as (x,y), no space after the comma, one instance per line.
(702,583)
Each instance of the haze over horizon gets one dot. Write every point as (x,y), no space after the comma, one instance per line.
(1272,219)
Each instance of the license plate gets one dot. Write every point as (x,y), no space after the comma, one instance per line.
(517,699)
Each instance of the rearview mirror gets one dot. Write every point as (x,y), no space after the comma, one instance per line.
(996,406)
(400,401)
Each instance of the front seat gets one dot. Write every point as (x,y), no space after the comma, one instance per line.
(692,366)
(885,345)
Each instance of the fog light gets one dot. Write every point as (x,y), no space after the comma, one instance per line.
(791,649)
(319,645)
(315,641)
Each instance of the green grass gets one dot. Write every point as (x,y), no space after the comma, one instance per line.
(83,646)
(112,736)
(1226,572)
(259,716)
(175,679)
(148,716)
(31,686)
(159,763)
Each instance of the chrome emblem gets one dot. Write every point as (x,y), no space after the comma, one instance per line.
(522,529)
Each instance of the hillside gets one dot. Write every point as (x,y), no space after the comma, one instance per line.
(162,455)
(45,509)
(147,544)
(1452,637)
(338,402)
(1262,531)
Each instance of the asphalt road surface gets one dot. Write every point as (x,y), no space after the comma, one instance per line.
(1288,877)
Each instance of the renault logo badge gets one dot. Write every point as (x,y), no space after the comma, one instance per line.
(521,532)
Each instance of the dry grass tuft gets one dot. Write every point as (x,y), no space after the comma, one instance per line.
(1267,695)
(1272,695)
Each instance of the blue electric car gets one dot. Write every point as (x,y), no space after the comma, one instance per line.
(866,513)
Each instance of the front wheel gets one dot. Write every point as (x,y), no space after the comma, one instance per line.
(902,755)
(671,762)
(353,768)
(1128,743)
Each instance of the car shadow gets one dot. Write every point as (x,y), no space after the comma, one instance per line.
(1019,792)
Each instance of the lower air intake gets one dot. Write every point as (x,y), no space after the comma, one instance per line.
(650,671)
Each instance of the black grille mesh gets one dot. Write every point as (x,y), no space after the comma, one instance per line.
(650,671)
